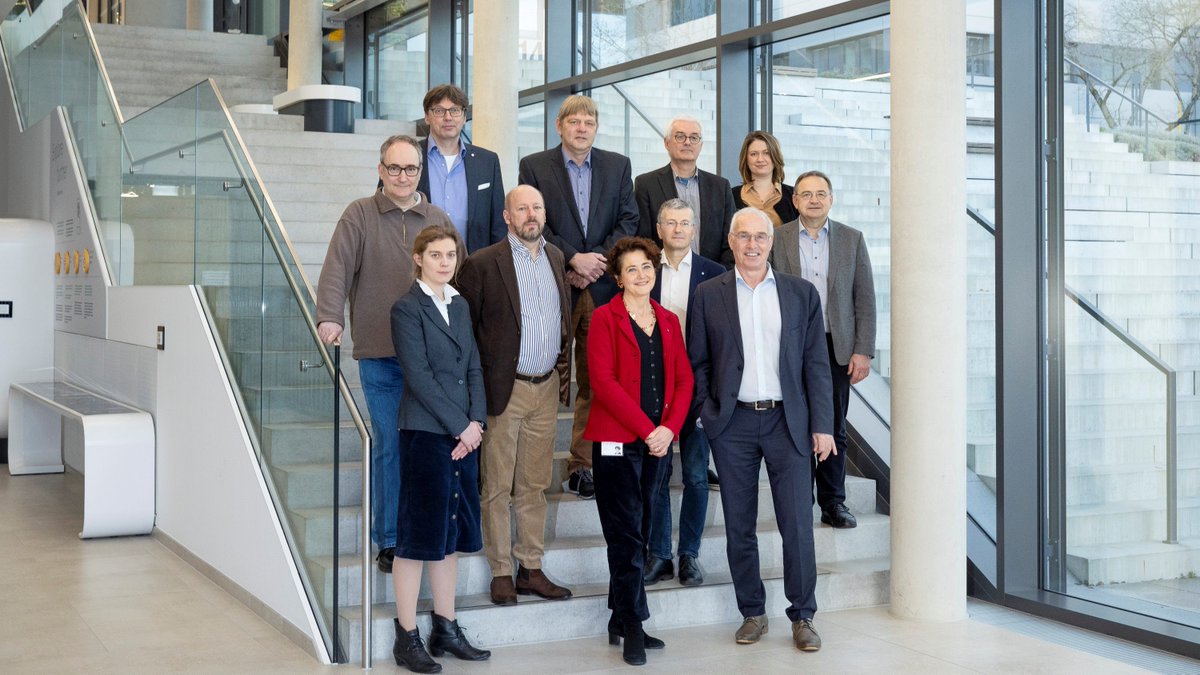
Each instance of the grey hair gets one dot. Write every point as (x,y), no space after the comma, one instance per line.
(398,138)
(673,204)
(756,213)
(680,118)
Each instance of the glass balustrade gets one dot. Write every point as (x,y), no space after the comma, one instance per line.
(178,202)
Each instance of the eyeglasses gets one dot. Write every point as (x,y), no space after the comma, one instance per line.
(395,170)
(455,112)
(672,224)
(758,237)
(822,195)
(681,137)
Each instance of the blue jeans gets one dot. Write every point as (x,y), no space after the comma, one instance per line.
(383,384)
(693,459)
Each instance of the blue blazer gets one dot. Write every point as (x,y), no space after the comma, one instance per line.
(703,269)
(443,383)
(612,211)
(485,194)
(715,349)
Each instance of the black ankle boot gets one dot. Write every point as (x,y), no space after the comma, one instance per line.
(616,632)
(634,649)
(409,651)
(447,636)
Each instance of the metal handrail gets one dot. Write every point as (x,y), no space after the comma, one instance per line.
(629,102)
(1153,359)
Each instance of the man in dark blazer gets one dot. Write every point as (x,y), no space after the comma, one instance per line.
(675,288)
(757,346)
(519,300)
(708,194)
(461,179)
(589,206)
(834,258)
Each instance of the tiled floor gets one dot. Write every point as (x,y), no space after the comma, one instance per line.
(129,605)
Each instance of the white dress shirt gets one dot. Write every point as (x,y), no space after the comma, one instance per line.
(758,316)
(443,306)
(675,283)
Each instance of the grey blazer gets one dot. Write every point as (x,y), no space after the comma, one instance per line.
(851,288)
(443,383)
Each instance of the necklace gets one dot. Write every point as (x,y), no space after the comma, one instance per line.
(647,325)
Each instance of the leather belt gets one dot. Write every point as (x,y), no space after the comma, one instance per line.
(536,379)
(759,405)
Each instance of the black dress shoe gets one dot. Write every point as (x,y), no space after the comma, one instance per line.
(658,569)
(582,484)
(409,651)
(616,631)
(447,636)
(690,573)
(714,483)
(385,558)
(634,649)
(838,516)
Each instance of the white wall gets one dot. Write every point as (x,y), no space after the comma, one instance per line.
(156,13)
(211,497)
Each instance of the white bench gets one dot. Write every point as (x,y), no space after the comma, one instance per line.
(118,452)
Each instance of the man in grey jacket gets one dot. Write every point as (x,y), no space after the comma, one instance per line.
(833,256)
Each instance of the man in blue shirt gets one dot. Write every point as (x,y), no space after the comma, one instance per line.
(462,179)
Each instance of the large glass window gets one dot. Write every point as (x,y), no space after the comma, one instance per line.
(1126,482)
(624,30)
(397,54)
(635,113)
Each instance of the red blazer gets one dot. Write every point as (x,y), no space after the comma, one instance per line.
(615,370)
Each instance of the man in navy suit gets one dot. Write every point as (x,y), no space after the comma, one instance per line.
(461,179)
(681,271)
(757,345)
(589,206)
(708,194)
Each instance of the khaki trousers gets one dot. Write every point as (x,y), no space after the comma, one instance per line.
(516,465)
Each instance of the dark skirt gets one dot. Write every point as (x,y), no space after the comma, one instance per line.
(439,498)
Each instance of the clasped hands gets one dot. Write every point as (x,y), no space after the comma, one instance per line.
(468,440)
(659,441)
(585,269)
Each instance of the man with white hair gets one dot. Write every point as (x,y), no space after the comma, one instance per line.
(707,194)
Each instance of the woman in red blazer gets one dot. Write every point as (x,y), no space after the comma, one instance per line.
(641,392)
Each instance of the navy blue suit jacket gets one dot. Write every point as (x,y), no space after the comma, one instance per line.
(485,194)
(703,269)
(443,382)
(715,349)
(612,211)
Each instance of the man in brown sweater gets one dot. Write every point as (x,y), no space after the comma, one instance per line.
(369,263)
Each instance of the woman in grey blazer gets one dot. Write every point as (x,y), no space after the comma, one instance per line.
(441,423)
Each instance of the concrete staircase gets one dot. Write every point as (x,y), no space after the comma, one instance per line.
(309,178)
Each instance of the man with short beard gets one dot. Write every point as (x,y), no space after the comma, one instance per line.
(520,309)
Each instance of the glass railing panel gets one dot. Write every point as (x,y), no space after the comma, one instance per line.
(981,355)
(53,63)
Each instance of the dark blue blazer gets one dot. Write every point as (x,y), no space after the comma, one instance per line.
(612,211)
(703,269)
(443,383)
(715,349)
(653,188)
(485,194)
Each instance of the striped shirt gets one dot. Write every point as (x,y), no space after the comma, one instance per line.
(541,313)
(814,264)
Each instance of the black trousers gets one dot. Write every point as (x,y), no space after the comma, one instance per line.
(739,451)
(830,475)
(626,488)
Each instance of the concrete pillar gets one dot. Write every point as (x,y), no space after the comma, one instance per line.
(928,509)
(494,74)
(200,15)
(304,43)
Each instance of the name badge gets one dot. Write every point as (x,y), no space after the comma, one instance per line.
(612,449)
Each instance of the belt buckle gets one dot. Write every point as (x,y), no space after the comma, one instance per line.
(762,405)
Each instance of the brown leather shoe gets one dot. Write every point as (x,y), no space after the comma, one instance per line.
(534,582)
(752,629)
(805,636)
(503,591)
